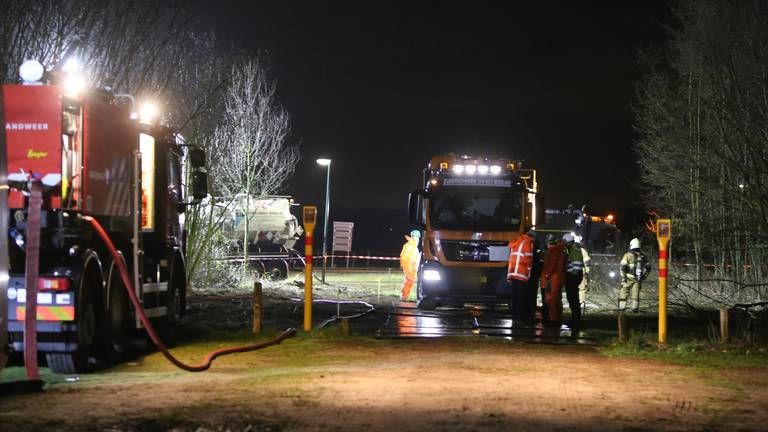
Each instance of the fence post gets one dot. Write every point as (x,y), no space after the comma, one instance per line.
(258,313)
(724,334)
(622,327)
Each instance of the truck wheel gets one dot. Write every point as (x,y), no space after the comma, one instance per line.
(426,303)
(87,316)
(114,337)
(278,270)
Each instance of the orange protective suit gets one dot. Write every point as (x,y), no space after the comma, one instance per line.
(553,279)
(409,261)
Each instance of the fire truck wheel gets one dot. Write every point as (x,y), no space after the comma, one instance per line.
(87,318)
(114,336)
(166,325)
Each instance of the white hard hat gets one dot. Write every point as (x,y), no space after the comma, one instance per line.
(634,243)
(568,237)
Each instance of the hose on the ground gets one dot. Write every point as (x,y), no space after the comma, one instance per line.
(128,284)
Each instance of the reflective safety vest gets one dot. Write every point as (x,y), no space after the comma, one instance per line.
(520,258)
(575,263)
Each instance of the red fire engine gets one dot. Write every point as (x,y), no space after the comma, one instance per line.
(85,155)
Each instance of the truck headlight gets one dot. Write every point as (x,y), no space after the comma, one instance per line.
(431,275)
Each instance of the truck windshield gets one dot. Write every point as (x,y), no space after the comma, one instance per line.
(476,209)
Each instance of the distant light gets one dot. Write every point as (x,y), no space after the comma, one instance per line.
(471,169)
(611,274)
(482,169)
(609,218)
(31,71)
(458,169)
(148,112)
(323,162)
(495,169)
(433,182)
(742,185)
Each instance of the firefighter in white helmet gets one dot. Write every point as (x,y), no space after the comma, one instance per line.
(635,267)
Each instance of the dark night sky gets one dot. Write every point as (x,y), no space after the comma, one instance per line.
(380,87)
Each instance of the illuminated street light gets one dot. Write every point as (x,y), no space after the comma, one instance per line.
(327,164)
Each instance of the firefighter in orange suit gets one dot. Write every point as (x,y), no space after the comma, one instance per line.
(553,279)
(519,274)
(409,261)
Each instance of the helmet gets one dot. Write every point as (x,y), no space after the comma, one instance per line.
(531,233)
(568,237)
(577,238)
(551,238)
(416,234)
(634,243)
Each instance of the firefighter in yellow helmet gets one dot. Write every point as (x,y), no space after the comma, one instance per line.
(409,261)
(635,267)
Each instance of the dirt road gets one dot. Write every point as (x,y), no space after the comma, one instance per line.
(351,384)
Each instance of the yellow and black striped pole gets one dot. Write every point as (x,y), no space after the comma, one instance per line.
(310,217)
(663,234)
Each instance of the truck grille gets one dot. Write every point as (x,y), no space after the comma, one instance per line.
(469,251)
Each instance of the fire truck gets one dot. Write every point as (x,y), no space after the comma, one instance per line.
(470,208)
(86,154)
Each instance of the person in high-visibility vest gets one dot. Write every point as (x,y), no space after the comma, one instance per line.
(574,274)
(635,267)
(584,285)
(553,279)
(409,261)
(519,274)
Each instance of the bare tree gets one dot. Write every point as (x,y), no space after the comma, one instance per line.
(702,116)
(250,154)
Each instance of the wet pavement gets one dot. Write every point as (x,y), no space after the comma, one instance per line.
(404,320)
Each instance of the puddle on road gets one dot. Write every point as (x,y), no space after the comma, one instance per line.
(405,321)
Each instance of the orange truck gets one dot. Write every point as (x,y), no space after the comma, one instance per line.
(469,209)
(87,154)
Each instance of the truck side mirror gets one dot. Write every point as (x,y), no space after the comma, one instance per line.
(196,158)
(416,208)
(199,185)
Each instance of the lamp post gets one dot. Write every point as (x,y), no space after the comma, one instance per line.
(327,164)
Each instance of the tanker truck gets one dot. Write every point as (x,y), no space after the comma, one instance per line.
(270,231)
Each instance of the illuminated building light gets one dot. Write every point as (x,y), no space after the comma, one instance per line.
(609,218)
(495,169)
(433,182)
(471,169)
(458,169)
(482,169)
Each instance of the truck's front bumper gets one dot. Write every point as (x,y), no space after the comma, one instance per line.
(454,285)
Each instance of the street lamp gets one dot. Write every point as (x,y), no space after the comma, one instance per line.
(327,164)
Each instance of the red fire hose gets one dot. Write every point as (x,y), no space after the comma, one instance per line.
(151,331)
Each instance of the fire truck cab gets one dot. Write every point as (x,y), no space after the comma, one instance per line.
(93,157)
(470,209)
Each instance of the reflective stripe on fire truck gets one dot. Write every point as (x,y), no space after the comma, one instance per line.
(49,313)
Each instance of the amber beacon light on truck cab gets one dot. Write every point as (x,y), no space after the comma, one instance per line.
(470,208)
